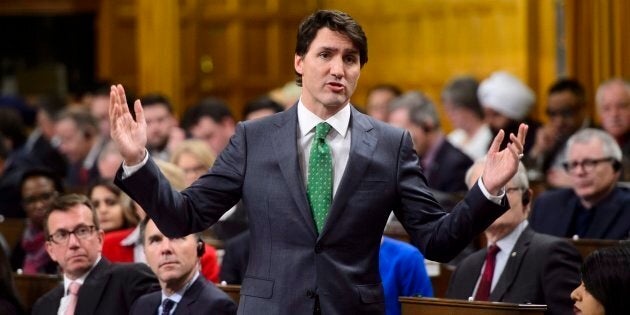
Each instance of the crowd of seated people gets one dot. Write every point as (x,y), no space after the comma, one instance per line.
(68,149)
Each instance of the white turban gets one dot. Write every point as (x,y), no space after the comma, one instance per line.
(507,95)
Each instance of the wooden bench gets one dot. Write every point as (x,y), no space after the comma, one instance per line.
(12,230)
(32,287)
(233,291)
(436,306)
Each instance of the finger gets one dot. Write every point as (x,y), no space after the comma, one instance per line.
(137,107)
(122,98)
(515,151)
(522,133)
(112,104)
(496,143)
(516,142)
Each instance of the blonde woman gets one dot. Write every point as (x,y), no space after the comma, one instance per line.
(194,157)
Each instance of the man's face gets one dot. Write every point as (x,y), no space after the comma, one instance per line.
(37,195)
(99,107)
(75,256)
(496,120)
(216,135)
(159,125)
(614,110)
(174,261)
(400,118)
(330,70)
(73,143)
(595,181)
(564,112)
(378,103)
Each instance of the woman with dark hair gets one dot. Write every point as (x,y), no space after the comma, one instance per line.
(605,287)
(9,302)
(115,209)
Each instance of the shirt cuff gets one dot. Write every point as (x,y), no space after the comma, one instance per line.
(496,199)
(129,170)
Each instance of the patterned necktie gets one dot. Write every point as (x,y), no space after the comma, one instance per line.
(167,306)
(73,291)
(319,186)
(483,291)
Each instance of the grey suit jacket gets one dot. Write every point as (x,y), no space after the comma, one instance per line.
(108,289)
(542,269)
(202,297)
(290,265)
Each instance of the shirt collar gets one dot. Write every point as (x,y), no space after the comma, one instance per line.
(80,280)
(507,243)
(307,120)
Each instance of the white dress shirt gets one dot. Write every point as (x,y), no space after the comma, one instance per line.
(506,244)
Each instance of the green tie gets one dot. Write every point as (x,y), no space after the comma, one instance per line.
(319,186)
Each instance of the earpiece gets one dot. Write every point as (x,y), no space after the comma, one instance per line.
(616,165)
(201,248)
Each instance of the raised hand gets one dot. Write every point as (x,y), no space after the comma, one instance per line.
(130,135)
(502,165)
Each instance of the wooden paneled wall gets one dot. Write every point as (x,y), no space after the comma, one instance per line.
(238,49)
(421,44)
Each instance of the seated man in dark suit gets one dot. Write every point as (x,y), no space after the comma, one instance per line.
(444,165)
(176,264)
(91,284)
(521,266)
(594,207)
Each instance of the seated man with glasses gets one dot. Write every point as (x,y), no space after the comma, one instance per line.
(519,265)
(595,206)
(91,284)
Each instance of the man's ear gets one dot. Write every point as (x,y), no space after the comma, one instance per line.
(297,64)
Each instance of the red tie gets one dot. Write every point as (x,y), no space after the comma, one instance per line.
(483,291)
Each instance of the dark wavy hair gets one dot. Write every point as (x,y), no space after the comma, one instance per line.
(336,21)
(606,276)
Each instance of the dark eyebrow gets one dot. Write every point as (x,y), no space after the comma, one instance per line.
(154,237)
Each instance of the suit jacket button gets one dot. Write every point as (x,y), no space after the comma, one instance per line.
(318,248)
(310,294)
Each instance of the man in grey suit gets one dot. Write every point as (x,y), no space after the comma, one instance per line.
(315,250)
(527,268)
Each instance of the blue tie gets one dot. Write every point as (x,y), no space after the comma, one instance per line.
(167,306)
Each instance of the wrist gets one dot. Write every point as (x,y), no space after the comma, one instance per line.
(136,159)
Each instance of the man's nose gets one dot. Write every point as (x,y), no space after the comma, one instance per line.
(73,241)
(336,67)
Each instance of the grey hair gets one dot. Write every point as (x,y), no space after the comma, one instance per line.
(607,84)
(610,146)
(422,112)
(520,178)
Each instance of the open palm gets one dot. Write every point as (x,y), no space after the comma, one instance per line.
(502,165)
(130,135)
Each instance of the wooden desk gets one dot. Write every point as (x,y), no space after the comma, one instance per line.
(32,287)
(233,291)
(587,246)
(434,306)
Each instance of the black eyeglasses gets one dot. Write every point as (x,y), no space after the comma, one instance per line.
(46,196)
(61,237)
(587,164)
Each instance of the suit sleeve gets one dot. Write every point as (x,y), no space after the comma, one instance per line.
(139,280)
(198,206)
(438,235)
(561,276)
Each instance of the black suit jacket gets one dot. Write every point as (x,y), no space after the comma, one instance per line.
(291,266)
(202,297)
(448,169)
(110,288)
(554,210)
(542,269)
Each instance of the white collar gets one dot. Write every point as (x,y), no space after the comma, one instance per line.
(307,120)
(507,243)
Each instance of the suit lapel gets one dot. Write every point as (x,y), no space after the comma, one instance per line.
(470,276)
(92,289)
(605,214)
(285,146)
(190,296)
(512,266)
(362,146)
(563,223)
